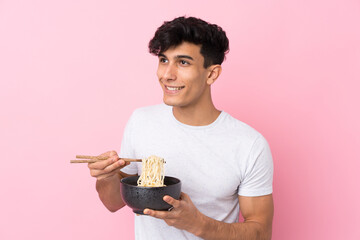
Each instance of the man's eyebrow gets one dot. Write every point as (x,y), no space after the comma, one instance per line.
(177,56)
(184,56)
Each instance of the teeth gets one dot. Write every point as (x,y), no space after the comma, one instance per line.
(174,88)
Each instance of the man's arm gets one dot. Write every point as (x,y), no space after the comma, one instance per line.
(109,191)
(257,213)
(108,175)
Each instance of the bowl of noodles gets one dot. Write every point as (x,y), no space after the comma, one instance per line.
(148,189)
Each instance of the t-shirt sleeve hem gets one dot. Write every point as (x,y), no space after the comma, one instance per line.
(255,193)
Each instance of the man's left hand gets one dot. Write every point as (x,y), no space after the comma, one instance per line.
(184,215)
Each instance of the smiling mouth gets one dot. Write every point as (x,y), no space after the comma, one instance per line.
(174,88)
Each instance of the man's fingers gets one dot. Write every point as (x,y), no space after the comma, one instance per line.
(103,164)
(110,168)
(156,214)
(107,167)
(116,164)
(109,154)
(172,201)
(113,153)
(164,214)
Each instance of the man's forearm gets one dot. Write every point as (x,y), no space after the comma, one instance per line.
(211,229)
(109,193)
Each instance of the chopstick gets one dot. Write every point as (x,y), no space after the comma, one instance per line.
(92,159)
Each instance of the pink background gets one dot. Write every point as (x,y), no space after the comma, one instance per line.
(71,72)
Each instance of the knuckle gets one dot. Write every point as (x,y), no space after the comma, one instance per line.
(110,168)
(92,173)
(104,164)
(107,169)
(105,154)
(113,166)
(108,162)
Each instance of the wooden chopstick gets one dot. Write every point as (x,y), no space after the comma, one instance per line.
(84,161)
(92,159)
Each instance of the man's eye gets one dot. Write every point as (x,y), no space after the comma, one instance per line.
(183,62)
(163,60)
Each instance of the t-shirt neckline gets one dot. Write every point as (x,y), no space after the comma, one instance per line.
(211,125)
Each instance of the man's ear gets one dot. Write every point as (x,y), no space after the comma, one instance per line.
(214,73)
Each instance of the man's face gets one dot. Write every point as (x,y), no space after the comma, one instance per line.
(182,76)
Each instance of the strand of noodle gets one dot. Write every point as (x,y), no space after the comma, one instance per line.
(152,172)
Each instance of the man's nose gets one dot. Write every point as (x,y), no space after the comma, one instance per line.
(170,72)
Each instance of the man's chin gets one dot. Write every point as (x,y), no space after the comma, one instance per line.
(171,103)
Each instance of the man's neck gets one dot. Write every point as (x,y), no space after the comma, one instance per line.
(196,115)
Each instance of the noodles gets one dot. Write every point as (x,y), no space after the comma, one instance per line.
(152,174)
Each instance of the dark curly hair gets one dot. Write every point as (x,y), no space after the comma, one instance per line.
(213,40)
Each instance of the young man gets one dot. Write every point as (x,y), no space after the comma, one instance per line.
(224,165)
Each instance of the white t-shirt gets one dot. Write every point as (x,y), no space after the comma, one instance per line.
(215,164)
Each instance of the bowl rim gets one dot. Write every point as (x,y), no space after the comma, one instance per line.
(127,184)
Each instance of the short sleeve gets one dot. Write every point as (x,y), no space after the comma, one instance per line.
(127,149)
(258,177)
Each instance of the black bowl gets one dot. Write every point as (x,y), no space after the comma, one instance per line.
(138,198)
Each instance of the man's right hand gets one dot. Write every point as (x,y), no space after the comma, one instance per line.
(107,168)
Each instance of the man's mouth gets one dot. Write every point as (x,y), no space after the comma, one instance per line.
(174,88)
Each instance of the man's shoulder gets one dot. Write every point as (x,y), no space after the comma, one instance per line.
(240,128)
(243,137)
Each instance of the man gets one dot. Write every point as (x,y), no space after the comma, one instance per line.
(224,165)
